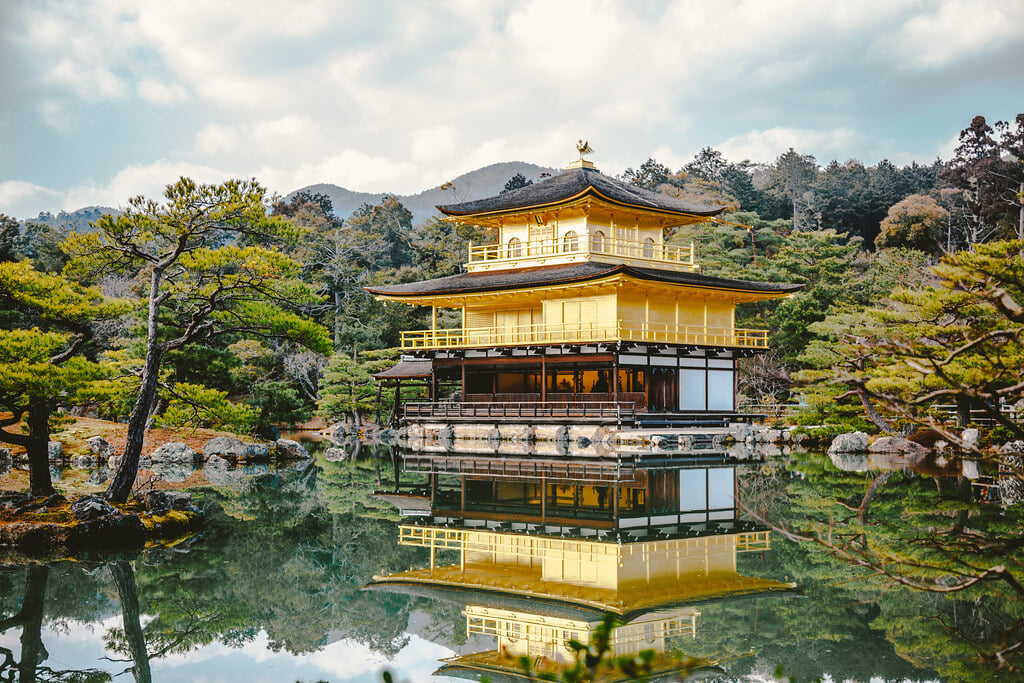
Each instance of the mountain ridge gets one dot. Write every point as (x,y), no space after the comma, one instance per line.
(486,181)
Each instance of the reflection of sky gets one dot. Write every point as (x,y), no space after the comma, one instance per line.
(77,645)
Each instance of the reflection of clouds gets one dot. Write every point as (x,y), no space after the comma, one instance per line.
(78,644)
(347,659)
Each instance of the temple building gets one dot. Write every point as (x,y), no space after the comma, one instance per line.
(580,311)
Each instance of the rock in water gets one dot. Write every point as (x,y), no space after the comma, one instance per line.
(55,450)
(162,502)
(335,455)
(896,444)
(176,452)
(99,447)
(290,450)
(257,451)
(970,438)
(852,442)
(224,446)
(88,508)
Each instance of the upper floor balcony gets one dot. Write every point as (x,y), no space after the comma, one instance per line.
(575,248)
(585,332)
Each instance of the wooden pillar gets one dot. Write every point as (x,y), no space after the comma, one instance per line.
(543,499)
(543,377)
(464,379)
(433,385)
(462,496)
(615,378)
(615,502)
(397,405)
(380,389)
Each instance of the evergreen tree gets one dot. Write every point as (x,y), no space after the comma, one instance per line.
(201,282)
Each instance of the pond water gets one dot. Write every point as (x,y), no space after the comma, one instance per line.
(737,569)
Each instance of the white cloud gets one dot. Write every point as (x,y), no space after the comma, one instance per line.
(259,136)
(954,31)
(767,145)
(382,97)
(88,82)
(139,179)
(156,92)
(19,198)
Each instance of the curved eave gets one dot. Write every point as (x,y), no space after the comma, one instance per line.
(570,600)
(620,273)
(589,191)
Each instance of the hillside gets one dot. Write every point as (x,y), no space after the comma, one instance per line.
(483,182)
(72,221)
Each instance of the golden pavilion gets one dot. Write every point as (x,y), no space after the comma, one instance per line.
(581,311)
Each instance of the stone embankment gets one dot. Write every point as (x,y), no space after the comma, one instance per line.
(554,439)
(171,462)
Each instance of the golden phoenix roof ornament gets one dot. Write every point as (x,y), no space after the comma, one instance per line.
(583,147)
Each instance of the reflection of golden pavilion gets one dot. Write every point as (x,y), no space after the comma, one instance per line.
(538,562)
(579,312)
(544,639)
(585,498)
(623,577)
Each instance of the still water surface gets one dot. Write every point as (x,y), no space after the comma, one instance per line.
(273,589)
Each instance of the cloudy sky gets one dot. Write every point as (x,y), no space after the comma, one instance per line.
(106,99)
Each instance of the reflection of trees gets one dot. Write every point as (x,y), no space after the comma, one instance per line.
(943,570)
(33,652)
(124,579)
(280,561)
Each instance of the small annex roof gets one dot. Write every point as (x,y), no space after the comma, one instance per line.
(575,184)
(489,281)
(406,369)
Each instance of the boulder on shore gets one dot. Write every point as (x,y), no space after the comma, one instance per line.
(88,508)
(287,449)
(257,451)
(851,442)
(175,452)
(99,447)
(55,450)
(1012,447)
(162,502)
(897,444)
(224,446)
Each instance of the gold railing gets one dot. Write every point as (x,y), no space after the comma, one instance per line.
(591,332)
(579,248)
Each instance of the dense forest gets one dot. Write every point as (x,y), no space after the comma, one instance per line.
(292,331)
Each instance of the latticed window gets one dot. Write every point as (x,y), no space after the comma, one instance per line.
(571,241)
(597,241)
(648,251)
(515,247)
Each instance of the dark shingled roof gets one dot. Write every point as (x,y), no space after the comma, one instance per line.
(574,184)
(406,368)
(487,281)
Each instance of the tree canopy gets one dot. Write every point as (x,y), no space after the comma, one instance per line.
(211,266)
